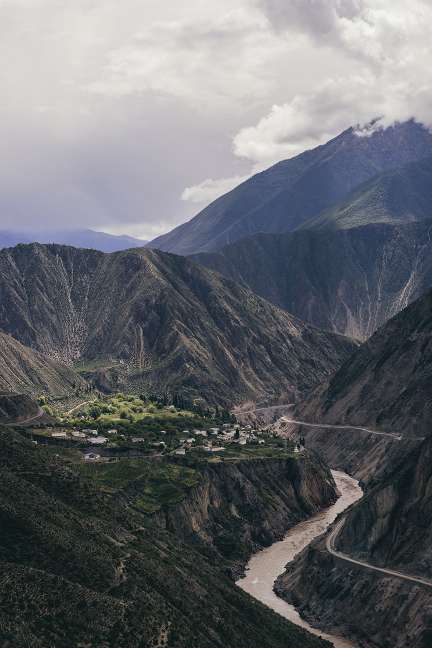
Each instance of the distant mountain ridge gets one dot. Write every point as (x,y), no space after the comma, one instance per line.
(161,322)
(295,191)
(350,281)
(84,238)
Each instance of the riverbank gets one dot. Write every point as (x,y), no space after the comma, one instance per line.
(265,566)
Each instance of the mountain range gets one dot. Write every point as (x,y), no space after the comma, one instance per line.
(350,281)
(157,321)
(294,192)
(253,307)
(81,238)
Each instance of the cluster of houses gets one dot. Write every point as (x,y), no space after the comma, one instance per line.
(89,436)
(216,439)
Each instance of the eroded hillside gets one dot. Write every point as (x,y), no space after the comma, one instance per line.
(161,322)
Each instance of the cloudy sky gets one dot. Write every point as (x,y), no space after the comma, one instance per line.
(131,116)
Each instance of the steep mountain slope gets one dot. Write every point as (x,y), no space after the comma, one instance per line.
(350,281)
(386,383)
(389,528)
(17,408)
(25,370)
(163,322)
(241,507)
(292,192)
(396,196)
(78,567)
(78,238)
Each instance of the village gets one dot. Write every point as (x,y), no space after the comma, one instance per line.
(107,429)
(215,440)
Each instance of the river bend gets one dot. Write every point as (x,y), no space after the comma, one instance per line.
(265,566)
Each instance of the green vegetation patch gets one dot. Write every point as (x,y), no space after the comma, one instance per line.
(150,484)
(129,409)
(83,366)
(240,453)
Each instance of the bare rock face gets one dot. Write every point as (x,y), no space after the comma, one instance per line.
(359,453)
(373,610)
(350,281)
(392,525)
(163,322)
(390,528)
(385,385)
(241,507)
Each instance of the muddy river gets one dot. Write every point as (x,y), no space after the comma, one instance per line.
(265,566)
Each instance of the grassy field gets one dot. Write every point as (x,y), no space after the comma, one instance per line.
(149,484)
(258,452)
(200,457)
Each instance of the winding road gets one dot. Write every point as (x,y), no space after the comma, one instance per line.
(334,533)
(269,408)
(75,407)
(330,546)
(28,421)
(392,435)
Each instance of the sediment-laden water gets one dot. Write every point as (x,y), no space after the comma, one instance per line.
(265,566)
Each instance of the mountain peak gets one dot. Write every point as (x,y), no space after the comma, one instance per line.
(290,193)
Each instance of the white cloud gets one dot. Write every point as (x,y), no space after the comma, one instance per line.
(309,120)
(316,17)
(212,62)
(386,45)
(109,110)
(209,189)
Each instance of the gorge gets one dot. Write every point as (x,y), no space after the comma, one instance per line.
(265,566)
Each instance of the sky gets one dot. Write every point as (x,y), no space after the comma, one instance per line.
(130,117)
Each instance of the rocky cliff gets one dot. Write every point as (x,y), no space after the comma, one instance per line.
(392,525)
(387,385)
(163,322)
(389,528)
(240,507)
(373,610)
(362,454)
